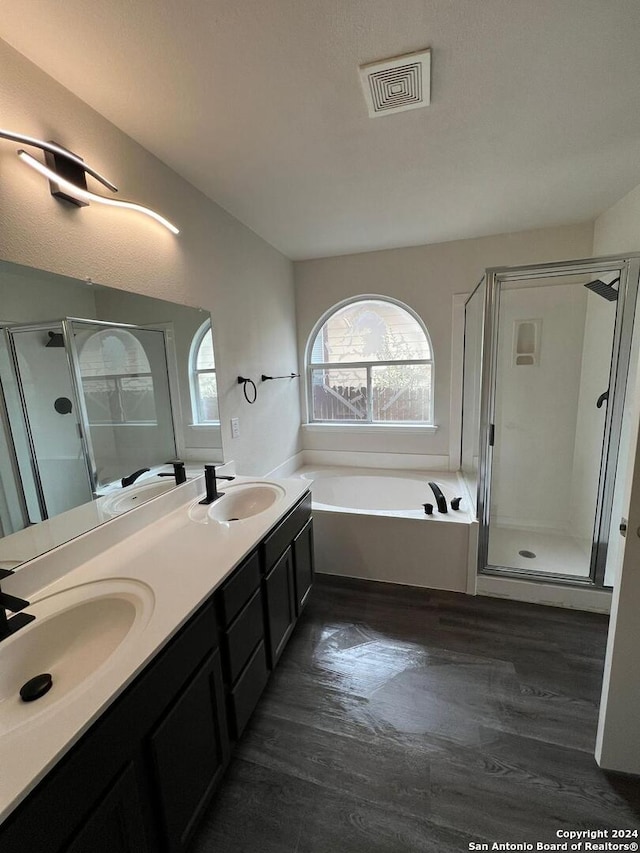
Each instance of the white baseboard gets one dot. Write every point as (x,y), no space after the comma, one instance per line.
(554,595)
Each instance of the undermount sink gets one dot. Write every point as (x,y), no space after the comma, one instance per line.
(239,502)
(76,633)
(133,496)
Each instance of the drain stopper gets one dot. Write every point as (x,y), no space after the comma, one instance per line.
(36,687)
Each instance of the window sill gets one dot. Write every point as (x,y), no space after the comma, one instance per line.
(372,429)
(212,425)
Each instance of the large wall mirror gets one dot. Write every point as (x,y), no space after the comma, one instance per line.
(96,384)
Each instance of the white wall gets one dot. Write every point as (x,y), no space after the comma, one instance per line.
(215,263)
(536,405)
(425,278)
(618,746)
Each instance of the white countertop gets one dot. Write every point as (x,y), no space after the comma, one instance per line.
(179,560)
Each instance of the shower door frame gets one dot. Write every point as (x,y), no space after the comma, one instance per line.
(7,430)
(629,266)
(76,380)
(34,462)
(73,363)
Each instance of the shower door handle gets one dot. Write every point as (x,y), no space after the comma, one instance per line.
(603,398)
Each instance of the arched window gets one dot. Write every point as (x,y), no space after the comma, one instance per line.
(202,374)
(370,361)
(116,379)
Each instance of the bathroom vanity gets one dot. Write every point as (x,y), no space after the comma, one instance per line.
(130,762)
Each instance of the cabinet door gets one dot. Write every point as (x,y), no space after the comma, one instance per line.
(303,564)
(280,603)
(190,750)
(115,825)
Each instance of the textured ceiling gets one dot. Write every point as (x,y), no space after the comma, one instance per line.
(534,119)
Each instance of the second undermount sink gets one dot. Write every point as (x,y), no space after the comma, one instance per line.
(239,502)
(75,635)
(132,496)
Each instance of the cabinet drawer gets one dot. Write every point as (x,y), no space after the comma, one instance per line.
(244,635)
(282,536)
(244,696)
(235,592)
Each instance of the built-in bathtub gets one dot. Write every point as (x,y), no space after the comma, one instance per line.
(371,523)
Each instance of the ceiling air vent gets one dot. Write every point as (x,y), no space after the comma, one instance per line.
(395,85)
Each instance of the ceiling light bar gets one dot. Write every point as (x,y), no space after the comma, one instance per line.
(57,150)
(86,195)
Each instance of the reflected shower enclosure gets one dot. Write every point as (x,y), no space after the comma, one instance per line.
(546,357)
(84,404)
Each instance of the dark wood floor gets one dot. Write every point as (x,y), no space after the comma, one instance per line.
(405,720)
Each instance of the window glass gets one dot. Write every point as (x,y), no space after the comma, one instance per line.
(205,358)
(339,394)
(204,388)
(370,330)
(116,379)
(371,362)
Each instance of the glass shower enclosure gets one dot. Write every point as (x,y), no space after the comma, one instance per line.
(84,403)
(546,357)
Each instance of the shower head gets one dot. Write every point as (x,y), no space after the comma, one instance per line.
(55,340)
(603,286)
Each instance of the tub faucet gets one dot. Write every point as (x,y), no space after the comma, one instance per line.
(130,480)
(441,501)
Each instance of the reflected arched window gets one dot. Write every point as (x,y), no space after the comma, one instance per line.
(116,379)
(202,372)
(370,361)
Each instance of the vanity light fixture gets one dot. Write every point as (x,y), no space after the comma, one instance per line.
(57,151)
(66,173)
(85,195)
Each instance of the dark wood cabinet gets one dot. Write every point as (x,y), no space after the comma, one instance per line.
(140,778)
(280,604)
(115,824)
(241,617)
(303,565)
(190,750)
(164,745)
(287,567)
(244,695)
(243,635)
